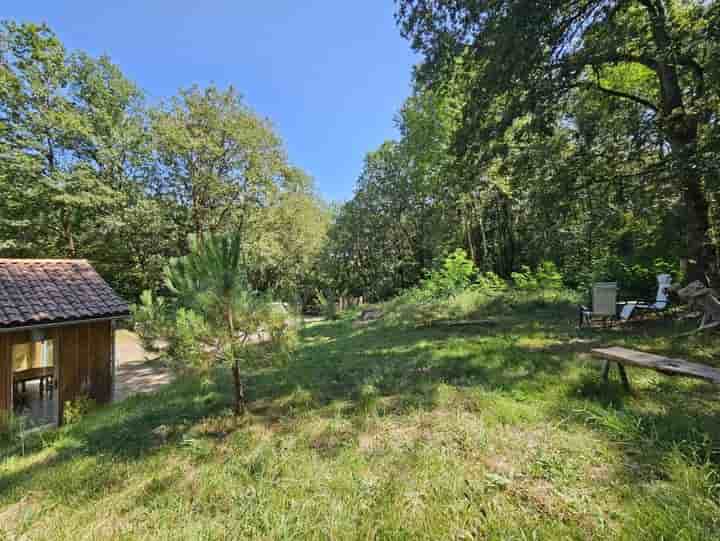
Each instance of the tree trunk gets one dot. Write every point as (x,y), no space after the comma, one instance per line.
(681,129)
(69,238)
(239,389)
(237,380)
(698,227)
(683,137)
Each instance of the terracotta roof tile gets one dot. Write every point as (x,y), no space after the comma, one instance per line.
(34,291)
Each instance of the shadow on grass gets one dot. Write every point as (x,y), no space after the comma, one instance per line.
(337,361)
(661,417)
(121,432)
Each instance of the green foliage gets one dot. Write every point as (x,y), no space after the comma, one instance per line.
(455,274)
(595,111)
(71,135)
(220,317)
(636,280)
(188,341)
(581,166)
(455,290)
(14,428)
(214,152)
(328,304)
(489,282)
(546,277)
(281,329)
(90,170)
(150,319)
(286,241)
(76,409)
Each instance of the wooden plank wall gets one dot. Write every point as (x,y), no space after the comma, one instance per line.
(83,357)
(99,361)
(5,376)
(67,349)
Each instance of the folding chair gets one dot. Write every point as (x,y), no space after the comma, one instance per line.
(604,305)
(662,300)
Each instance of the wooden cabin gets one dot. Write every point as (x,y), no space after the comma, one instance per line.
(57,321)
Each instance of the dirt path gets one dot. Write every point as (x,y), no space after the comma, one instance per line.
(136,371)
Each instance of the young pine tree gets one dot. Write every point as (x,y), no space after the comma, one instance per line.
(211,281)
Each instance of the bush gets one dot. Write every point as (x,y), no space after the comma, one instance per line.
(281,328)
(489,282)
(74,410)
(150,319)
(328,304)
(546,277)
(13,428)
(524,279)
(455,274)
(635,280)
(185,342)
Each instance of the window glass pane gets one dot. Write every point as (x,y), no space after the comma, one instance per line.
(22,356)
(48,350)
(33,355)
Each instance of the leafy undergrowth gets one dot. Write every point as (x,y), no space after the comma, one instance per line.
(472,303)
(394,432)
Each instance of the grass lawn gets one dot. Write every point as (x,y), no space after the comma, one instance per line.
(393,432)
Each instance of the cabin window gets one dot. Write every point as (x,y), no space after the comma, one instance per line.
(32,355)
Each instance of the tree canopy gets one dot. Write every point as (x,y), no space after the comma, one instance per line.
(581,133)
(529,60)
(89,169)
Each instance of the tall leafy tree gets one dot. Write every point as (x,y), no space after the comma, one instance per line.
(530,54)
(70,129)
(216,158)
(285,243)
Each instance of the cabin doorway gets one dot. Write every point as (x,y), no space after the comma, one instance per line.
(34,385)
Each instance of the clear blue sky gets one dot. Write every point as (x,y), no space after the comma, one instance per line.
(330,74)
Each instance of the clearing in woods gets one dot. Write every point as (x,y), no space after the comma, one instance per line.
(393,432)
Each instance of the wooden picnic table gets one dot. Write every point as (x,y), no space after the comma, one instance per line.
(665,365)
(43,373)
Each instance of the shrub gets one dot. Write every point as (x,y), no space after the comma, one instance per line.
(185,347)
(13,428)
(454,275)
(546,277)
(635,280)
(524,279)
(74,410)
(489,282)
(328,304)
(150,319)
(281,329)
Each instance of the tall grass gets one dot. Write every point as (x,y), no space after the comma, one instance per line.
(390,431)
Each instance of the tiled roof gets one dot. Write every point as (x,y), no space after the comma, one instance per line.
(36,291)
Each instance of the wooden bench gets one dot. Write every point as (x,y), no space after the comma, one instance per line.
(665,365)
